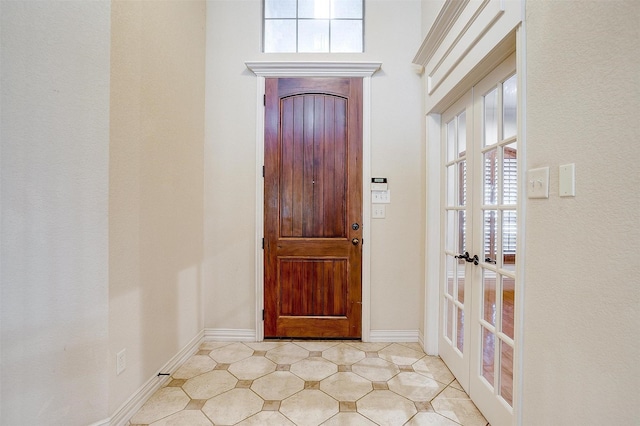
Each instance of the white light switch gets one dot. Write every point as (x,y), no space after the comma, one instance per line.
(381,197)
(538,183)
(567,176)
(378,211)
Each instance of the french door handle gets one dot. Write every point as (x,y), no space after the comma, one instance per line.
(489,260)
(475,260)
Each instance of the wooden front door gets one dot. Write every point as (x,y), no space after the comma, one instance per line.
(313,207)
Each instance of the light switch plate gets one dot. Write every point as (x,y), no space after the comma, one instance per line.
(381,197)
(567,180)
(378,211)
(538,183)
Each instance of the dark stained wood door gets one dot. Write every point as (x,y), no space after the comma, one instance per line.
(313,207)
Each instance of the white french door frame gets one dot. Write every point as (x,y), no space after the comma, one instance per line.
(434,180)
(264,69)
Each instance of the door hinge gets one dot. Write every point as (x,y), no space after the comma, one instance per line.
(263,244)
(262,171)
(263,315)
(264,100)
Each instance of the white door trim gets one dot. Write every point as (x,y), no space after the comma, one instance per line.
(263,69)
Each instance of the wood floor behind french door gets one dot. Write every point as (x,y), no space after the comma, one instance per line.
(479,215)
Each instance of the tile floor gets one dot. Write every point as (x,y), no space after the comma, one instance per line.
(308,383)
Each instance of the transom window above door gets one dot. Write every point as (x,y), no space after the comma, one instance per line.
(306,26)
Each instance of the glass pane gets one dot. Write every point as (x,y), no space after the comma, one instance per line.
(449,319)
(491,118)
(314,9)
(509,235)
(490,177)
(451,185)
(509,108)
(280,9)
(451,275)
(460,331)
(462,232)
(488,354)
(489,296)
(508,297)
(506,372)
(279,35)
(450,231)
(462,178)
(342,9)
(313,35)
(451,140)
(346,36)
(460,275)
(490,236)
(510,174)
(462,134)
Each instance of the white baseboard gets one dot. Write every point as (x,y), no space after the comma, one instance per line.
(137,400)
(394,336)
(104,422)
(229,335)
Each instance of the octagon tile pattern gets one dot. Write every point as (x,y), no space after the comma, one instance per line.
(299,383)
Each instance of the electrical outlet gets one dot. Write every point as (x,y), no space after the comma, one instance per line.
(121,361)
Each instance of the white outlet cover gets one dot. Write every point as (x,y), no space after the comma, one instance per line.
(378,211)
(538,183)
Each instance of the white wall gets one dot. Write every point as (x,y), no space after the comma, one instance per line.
(582,297)
(233,36)
(156,186)
(54,131)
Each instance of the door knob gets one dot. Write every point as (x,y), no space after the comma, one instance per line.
(355,241)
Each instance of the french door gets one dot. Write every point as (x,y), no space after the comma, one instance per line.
(479,217)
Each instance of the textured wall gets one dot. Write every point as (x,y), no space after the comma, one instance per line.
(156,185)
(582,296)
(54,131)
(233,37)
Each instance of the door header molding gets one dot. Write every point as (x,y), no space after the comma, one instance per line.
(312,69)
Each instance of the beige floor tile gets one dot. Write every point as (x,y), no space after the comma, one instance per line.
(346,386)
(252,368)
(209,346)
(375,369)
(278,385)
(184,418)
(435,368)
(309,407)
(232,407)
(430,419)
(456,405)
(415,386)
(163,403)
(368,346)
(264,346)
(348,419)
(457,385)
(233,352)
(194,366)
(209,384)
(270,418)
(400,355)
(287,354)
(343,354)
(386,408)
(316,346)
(413,345)
(313,369)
